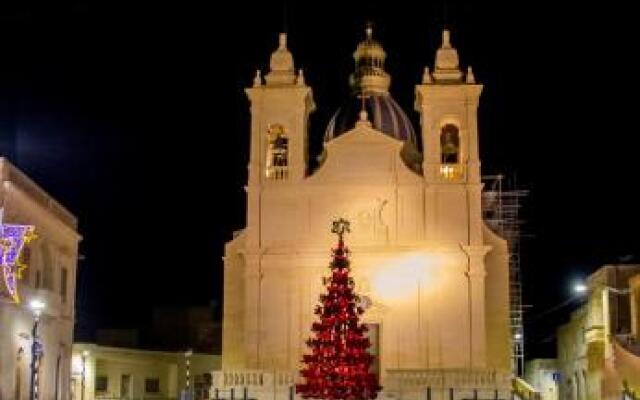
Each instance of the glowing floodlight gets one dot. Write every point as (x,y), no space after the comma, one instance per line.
(580,288)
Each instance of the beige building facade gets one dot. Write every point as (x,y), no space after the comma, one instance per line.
(542,374)
(105,372)
(49,277)
(599,348)
(598,353)
(433,278)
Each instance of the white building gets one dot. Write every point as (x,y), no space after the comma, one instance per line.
(50,277)
(435,276)
(124,373)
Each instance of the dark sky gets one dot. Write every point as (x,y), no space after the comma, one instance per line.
(134,117)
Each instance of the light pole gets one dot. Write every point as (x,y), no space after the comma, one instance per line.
(37,306)
(85,353)
(187,365)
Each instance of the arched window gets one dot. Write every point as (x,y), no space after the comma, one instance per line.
(47,268)
(25,260)
(277,152)
(17,391)
(449,144)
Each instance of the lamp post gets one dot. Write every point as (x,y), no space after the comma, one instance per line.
(37,306)
(85,353)
(187,365)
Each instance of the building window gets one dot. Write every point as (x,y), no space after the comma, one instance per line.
(152,385)
(47,267)
(449,144)
(277,152)
(102,383)
(25,260)
(63,284)
(38,281)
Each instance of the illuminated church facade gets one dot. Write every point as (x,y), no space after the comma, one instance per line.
(433,278)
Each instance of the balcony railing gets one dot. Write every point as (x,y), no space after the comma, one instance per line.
(403,379)
(452,172)
(277,173)
(252,378)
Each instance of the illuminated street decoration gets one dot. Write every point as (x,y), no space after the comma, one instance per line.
(12,241)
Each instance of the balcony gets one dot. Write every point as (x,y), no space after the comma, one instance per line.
(452,172)
(277,173)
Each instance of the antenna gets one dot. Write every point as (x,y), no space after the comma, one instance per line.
(445,15)
(284,17)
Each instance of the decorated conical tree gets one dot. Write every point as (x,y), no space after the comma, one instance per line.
(338,366)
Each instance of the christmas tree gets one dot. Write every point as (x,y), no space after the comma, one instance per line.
(339,363)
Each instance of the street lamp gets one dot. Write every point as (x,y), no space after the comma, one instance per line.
(37,306)
(580,288)
(187,362)
(85,353)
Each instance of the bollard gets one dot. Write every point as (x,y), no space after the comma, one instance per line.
(291,393)
(232,394)
(475,394)
(450,393)
(245,393)
(428,392)
(496,395)
(215,393)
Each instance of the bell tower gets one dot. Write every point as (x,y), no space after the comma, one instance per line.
(447,101)
(280,109)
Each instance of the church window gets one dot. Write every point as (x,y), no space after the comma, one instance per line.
(450,167)
(449,144)
(277,152)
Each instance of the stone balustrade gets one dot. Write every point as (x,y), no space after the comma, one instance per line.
(256,379)
(407,379)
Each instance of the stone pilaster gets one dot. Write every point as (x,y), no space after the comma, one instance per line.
(476,274)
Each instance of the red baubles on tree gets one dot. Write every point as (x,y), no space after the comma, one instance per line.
(338,366)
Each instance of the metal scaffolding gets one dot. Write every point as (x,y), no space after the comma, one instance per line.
(501,203)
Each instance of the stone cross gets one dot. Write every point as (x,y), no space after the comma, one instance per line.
(340,227)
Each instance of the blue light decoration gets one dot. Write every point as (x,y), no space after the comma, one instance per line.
(12,240)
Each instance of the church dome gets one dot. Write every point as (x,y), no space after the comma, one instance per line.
(371,82)
(384,113)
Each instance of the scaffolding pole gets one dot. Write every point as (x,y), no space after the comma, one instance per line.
(501,203)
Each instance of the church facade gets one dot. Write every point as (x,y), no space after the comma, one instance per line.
(434,280)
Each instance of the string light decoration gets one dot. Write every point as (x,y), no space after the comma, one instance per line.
(13,238)
(338,366)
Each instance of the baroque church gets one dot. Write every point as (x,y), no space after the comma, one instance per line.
(433,278)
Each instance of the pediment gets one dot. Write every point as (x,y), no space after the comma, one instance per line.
(364,133)
(362,155)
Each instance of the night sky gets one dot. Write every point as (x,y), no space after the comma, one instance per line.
(134,117)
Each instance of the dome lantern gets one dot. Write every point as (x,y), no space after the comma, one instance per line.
(369,57)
